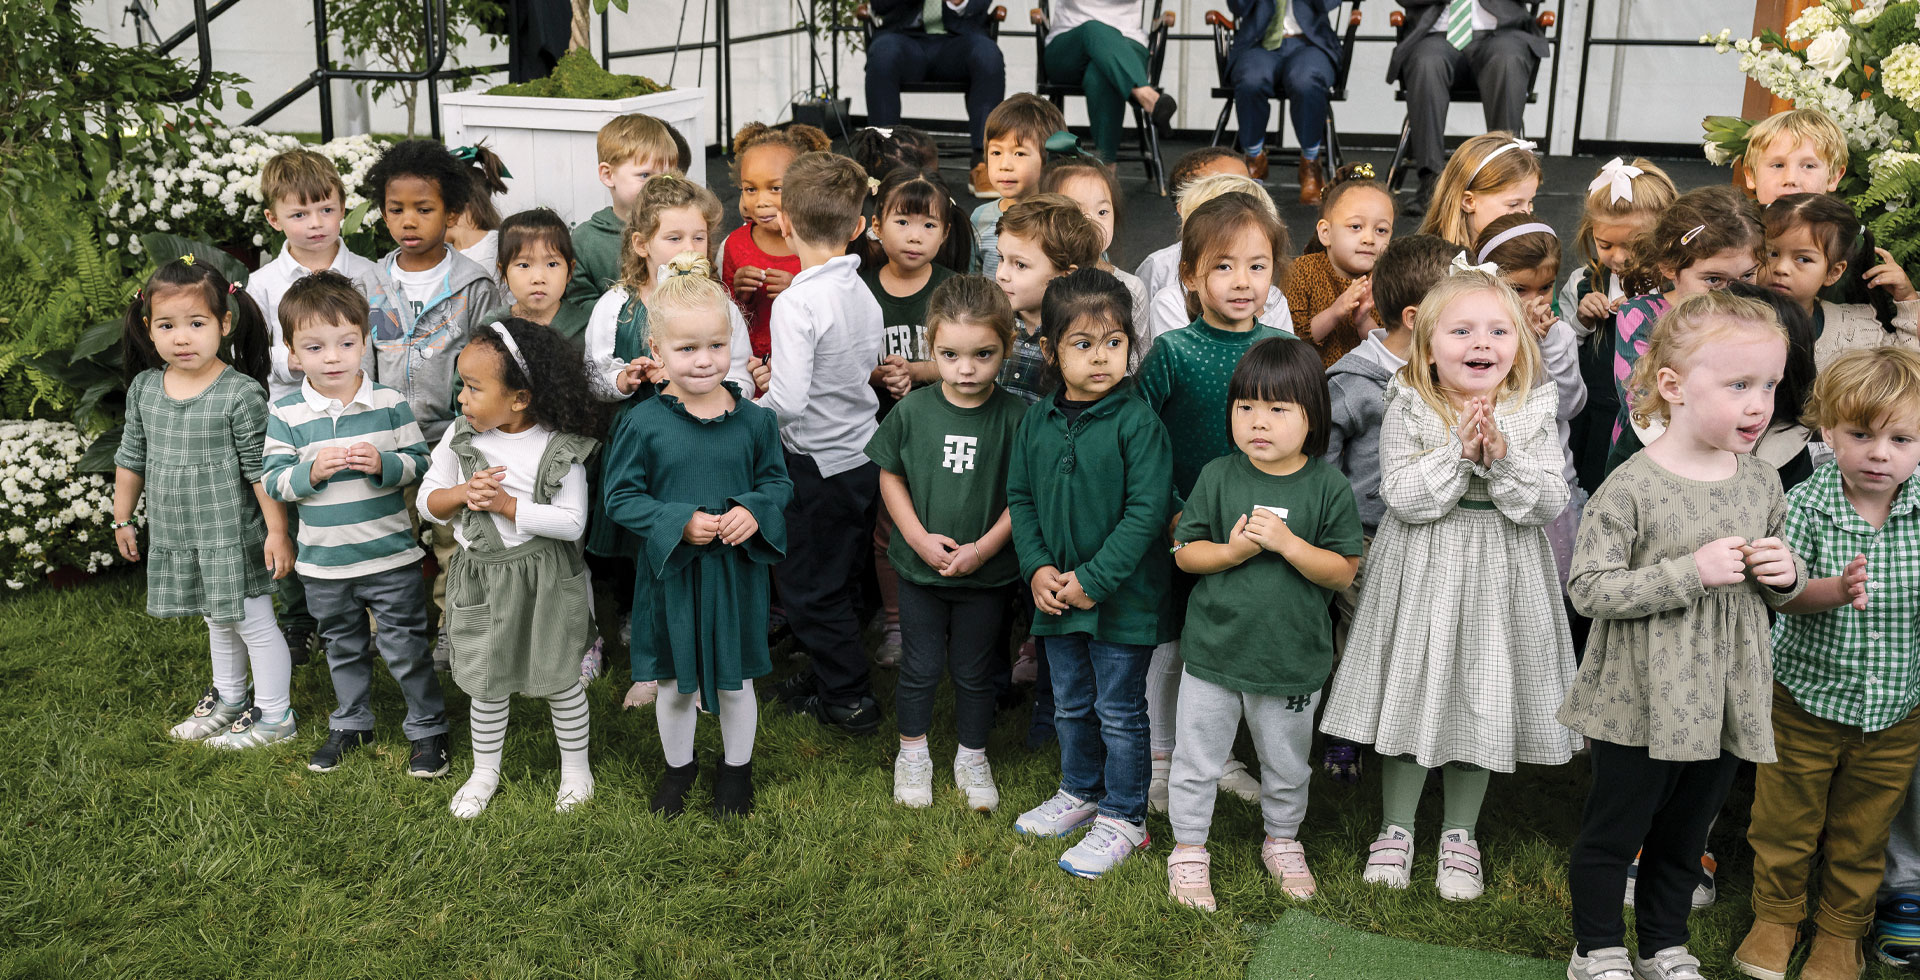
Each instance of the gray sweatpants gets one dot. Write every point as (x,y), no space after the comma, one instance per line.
(1903,847)
(1209,717)
(398,601)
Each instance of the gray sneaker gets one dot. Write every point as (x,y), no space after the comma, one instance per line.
(1609,963)
(1672,963)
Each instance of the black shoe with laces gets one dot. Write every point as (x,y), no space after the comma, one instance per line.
(670,796)
(299,645)
(859,718)
(340,741)
(429,758)
(732,790)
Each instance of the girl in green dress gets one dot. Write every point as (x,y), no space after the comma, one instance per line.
(215,541)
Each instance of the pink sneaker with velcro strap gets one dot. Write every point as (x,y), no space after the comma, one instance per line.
(1390,859)
(1458,879)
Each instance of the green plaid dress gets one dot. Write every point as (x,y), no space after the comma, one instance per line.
(199,457)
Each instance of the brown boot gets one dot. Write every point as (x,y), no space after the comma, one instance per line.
(1766,950)
(1312,183)
(1833,958)
(1257,166)
(982,184)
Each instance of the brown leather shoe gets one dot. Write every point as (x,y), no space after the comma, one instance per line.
(1312,182)
(1765,952)
(982,184)
(1257,166)
(1833,958)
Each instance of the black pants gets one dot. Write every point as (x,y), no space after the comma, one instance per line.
(829,535)
(1501,63)
(1660,809)
(942,631)
(899,57)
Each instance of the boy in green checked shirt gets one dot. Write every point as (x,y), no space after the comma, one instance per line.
(1847,681)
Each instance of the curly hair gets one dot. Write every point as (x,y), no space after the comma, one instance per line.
(661,194)
(247,346)
(559,398)
(880,154)
(429,160)
(796,138)
(1346,180)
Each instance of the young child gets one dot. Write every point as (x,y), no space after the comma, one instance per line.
(342,447)
(1460,583)
(696,475)
(509,478)
(1623,204)
(1326,289)
(475,231)
(1171,306)
(1087,488)
(1673,691)
(633,149)
(196,419)
(1039,240)
(306,203)
(1272,532)
(756,263)
(827,336)
(1489,175)
(425,298)
(536,262)
(1357,396)
(1017,132)
(881,151)
(943,454)
(1813,241)
(1096,189)
(1799,151)
(1845,723)
(1162,265)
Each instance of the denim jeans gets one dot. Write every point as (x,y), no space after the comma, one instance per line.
(1100,712)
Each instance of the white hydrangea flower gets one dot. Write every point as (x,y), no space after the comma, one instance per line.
(1900,74)
(1814,20)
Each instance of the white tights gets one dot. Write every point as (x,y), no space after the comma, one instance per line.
(253,641)
(739,715)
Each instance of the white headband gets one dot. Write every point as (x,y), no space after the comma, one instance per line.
(1618,176)
(513,349)
(1460,264)
(1512,233)
(1518,144)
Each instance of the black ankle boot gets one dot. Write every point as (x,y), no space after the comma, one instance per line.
(732,790)
(670,796)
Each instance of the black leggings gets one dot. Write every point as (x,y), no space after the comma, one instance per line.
(948,630)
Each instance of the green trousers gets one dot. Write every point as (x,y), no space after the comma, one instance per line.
(1109,66)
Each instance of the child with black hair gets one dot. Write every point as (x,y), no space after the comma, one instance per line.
(475,230)
(535,263)
(1272,532)
(917,241)
(1326,286)
(882,150)
(1813,242)
(1086,181)
(425,298)
(509,478)
(196,421)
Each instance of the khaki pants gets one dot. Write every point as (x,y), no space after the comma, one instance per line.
(1833,781)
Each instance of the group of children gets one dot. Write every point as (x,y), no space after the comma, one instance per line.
(1396,491)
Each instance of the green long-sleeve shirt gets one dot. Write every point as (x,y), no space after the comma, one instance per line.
(596,258)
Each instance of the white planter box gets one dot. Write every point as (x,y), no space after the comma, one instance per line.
(548,144)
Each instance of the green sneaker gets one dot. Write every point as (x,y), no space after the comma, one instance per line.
(210,717)
(251,731)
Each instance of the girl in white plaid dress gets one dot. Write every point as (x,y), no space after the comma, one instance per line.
(1459,653)
(196,424)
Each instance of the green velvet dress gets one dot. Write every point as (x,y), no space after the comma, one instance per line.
(605,538)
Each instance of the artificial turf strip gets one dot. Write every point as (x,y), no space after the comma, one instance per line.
(1302,946)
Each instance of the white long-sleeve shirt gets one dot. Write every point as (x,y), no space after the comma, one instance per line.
(268,287)
(1168,311)
(564,518)
(827,331)
(603,325)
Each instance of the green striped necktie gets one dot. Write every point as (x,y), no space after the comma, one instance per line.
(930,17)
(1459,23)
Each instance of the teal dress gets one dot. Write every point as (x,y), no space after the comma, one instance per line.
(605,538)
(699,612)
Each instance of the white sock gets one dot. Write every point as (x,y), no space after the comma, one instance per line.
(570,730)
(267,653)
(489,725)
(229,661)
(474,796)
(677,717)
(739,718)
(969,756)
(915,748)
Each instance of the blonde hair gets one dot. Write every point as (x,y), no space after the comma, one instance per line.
(688,287)
(661,194)
(1686,330)
(1653,194)
(1204,189)
(1481,165)
(1811,126)
(636,136)
(1420,373)
(1863,386)
(303,175)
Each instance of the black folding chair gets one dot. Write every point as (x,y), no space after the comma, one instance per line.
(1057,92)
(1464,89)
(1223,28)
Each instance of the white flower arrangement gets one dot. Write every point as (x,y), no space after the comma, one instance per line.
(51,515)
(1900,74)
(1814,21)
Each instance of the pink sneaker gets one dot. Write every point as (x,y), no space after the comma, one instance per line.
(1109,842)
(1190,878)
(1286,861)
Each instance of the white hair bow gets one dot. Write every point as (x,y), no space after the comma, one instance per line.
(1617,175)
(1461,263)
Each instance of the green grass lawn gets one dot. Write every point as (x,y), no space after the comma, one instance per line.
(126,854)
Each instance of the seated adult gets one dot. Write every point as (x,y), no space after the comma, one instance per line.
(1284,46)
(936,41)
(1102,45)
(1497,40)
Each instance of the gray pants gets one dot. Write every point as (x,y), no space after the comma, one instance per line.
(1209,717)
(398,601)
(1502,64)
(1903,847)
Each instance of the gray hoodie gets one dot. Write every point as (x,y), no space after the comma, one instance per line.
(1357,388)
(414,353)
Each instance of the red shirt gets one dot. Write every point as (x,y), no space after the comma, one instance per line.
(757,306)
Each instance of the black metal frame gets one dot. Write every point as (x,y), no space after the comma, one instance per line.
(1587,43)
(1223,34)
(1057,92)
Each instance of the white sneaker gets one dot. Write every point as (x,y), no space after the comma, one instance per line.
(1157,786)
(250,731)
(1390,859)
(976,780)
(890,650)
(1608,963)
(1109,842)
(1459,879)
(210,717)
(913,779)
(1672,963)
(1237,780)
(1062,814)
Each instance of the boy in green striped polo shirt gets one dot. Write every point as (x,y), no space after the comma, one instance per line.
(342,447)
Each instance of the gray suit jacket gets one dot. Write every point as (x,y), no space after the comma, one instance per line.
(1422,15)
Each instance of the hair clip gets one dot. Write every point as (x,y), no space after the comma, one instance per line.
(1531,227)
(1692,233)
(1460,264)
(1618,176)
(873,184)
(1363,170)
(1063,142)
(470,155)
(232,288)
(186,259)
(1514,144)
